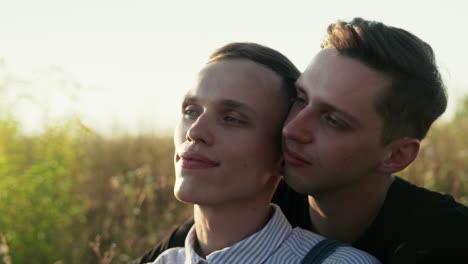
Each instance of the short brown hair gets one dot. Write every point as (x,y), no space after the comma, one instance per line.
(266,56)
(416,96)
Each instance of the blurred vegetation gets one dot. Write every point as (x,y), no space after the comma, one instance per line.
(69,195)
(442,164)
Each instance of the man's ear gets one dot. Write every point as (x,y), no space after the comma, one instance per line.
(399,154)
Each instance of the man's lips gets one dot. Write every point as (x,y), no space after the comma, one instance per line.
(294,159)
(195,160)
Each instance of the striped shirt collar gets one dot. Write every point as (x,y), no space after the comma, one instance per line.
(253,249)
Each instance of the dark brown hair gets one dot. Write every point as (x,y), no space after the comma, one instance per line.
(416,96)
(263,55)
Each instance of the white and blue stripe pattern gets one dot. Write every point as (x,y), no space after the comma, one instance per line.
(276,243)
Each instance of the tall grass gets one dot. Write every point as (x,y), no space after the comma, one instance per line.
(442,164)
(62,189)
(71,196)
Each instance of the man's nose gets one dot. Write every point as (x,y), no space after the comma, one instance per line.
(299,127)
(201,131)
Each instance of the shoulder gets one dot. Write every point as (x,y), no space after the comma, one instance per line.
(176,239)
(434,225)
(441,236)
(350,255)
(295,246)
(425,209)
(172,255)
(415,207)
(301,241)
(418,198)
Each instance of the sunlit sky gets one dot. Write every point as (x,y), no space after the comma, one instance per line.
(126,64)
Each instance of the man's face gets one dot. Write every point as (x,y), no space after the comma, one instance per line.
(228,138)
(332,138)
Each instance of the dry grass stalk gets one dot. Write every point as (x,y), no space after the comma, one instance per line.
(4,250)
(108,255)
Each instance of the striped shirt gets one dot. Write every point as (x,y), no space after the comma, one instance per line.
(276,243)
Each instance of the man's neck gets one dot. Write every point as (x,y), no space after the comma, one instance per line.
(223,226)
(345,215)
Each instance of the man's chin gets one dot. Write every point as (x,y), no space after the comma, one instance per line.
(296,183)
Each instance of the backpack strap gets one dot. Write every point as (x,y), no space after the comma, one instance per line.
(321,251)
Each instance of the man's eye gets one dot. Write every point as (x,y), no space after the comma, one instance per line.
(231,119)
(334,122)
(299,100)
(190,112)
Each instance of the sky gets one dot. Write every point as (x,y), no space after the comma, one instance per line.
(125,65)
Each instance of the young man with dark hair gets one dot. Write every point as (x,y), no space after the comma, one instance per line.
(363,105)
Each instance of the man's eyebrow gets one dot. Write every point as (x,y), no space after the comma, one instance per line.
(189,99)
(228,103)
(237,105)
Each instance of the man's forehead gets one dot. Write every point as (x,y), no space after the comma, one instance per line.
(336,75)
(236,77)
(248,69)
